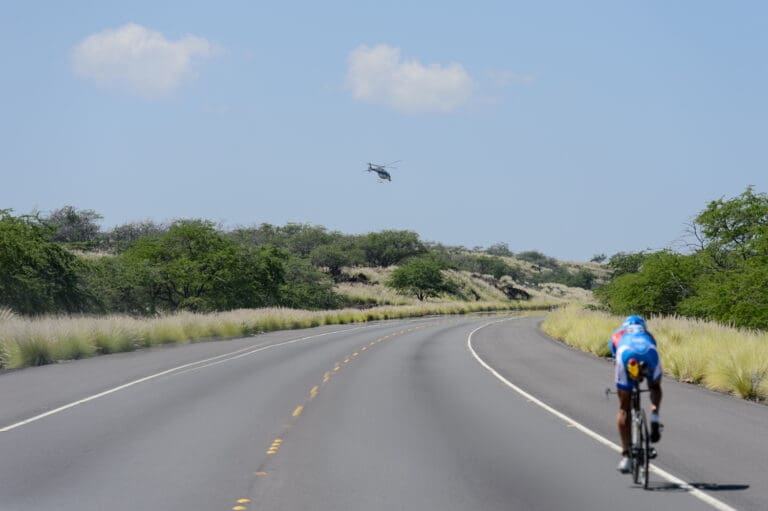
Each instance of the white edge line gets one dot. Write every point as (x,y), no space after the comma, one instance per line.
(717,504)
(237,354)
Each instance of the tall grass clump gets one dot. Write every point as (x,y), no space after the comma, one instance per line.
(587,330)
(742,371)
(686,346)
(117,335)
(34,351)
(6,314)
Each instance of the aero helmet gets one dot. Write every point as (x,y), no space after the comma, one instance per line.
(634,320)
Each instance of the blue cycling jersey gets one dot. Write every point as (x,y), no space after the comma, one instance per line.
(640,346)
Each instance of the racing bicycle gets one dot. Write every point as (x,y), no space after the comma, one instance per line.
(640,451)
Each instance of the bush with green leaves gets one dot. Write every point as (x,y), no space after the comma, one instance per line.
(499,249)
(734,297)
(336,256)
(725,278)
(626,262)
(665,280)
(194,267)
(307,288)
(485,265)
(71,225)
(537,258)
(37,276)
(387,248)
(421,277)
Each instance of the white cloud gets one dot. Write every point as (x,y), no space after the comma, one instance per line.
(380,75)
(139,60)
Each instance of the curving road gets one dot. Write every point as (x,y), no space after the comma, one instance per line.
(437,413)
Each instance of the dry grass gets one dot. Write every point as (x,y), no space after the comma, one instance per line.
(470,286)
(563,293)
(721,358)
(28,342)
(372,295)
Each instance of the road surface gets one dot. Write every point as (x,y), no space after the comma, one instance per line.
(444,413)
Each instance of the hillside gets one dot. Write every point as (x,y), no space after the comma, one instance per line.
(367,286)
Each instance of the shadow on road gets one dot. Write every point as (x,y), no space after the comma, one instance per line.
(699,486)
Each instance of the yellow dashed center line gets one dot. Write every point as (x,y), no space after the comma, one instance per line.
(312,394)
(275,446)
(243,501)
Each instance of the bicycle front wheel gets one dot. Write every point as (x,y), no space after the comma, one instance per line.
(636,450)
(645,443)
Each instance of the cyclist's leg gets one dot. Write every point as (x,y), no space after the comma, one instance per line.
(655,391)
(623,388)
(622,420)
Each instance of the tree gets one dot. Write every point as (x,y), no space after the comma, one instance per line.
(36,275)
(737,297)
(264,234)
(387,248)
(420,276)
(486,265)
(626,262)
(307,288)
(335,257)
(123,236)
(301,239)
(537,258)
(70,225)
(735,229)
(255,279)
(582,278)
(194,267)
(298,239)
(663,281)
(499,249)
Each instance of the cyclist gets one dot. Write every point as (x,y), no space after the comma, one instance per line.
(632,345)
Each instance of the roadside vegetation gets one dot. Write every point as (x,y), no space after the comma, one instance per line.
(719,357)
(38,341)
(708,305)
(721,276)
(70,290)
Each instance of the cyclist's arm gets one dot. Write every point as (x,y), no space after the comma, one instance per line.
(613,342)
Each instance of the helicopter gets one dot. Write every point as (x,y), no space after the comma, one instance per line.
(381,170)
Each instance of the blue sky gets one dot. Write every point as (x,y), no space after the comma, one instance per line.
(573,128)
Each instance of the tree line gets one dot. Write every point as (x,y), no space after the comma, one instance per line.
(722,276)
(63,262)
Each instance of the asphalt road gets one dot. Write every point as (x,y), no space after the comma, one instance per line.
(389,415)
